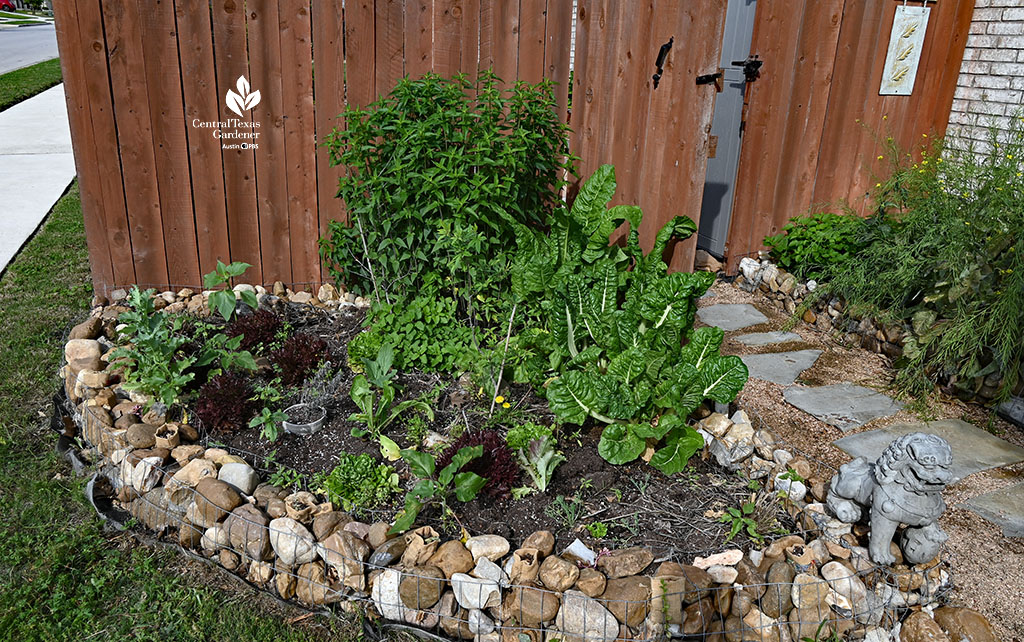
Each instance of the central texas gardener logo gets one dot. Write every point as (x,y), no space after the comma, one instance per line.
(242,101)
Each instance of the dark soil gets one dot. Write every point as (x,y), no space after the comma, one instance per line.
(304,414)
(638,505)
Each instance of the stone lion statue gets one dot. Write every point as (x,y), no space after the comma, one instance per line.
(903,487)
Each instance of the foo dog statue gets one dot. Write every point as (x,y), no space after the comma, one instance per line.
(903,487)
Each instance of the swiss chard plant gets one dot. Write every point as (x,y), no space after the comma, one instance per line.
(617,343)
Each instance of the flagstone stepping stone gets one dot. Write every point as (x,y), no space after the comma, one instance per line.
(731,316)
(780,367)
(1012,410)
(1004,508)
(768,338)
(842,405)
(973,448)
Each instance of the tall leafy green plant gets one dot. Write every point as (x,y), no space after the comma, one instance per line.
(618,344)
(438,173)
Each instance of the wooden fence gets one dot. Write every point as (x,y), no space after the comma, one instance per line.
(817,124)
(164,200)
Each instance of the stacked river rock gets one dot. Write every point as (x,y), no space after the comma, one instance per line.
(297,546)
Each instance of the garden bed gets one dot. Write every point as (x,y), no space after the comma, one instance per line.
(677,523)
(632,504)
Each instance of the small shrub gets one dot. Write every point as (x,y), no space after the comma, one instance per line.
(945,254)
(497,465)
(226,402)
(258,330)
(358,482)
(299,357)
(807,245)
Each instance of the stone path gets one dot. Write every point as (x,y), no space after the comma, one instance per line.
(842,405)
(1004,508)
(768,338)
(731,316)
(848,406)
(780,367)
(974,449)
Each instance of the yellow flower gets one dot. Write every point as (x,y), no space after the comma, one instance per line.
(499,399)
(1010,156)
(924,162)
(924,135)
(920,171)
(880,157)
(878,184)
(506,405)
(967,222)
(885,117)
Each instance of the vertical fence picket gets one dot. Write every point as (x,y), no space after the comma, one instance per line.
(170,148)
(199,88)
(300,139)
(271,164)
(129,84)
(72,46)
(329,94)
(231,61)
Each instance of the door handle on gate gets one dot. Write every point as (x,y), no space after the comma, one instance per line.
(660,62)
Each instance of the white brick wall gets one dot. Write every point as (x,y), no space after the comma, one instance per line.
(990,89)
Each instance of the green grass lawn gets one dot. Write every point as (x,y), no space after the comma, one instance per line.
(17,85)
(61,575)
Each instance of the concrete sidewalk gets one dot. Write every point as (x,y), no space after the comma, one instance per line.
(36,166)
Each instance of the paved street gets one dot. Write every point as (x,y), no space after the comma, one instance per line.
(23,46)
(37,162)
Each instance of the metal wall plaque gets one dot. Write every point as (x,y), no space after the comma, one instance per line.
(905,44)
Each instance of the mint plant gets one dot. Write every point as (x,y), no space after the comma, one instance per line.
(438,172)
(223,301)
(268,421)
(437,488)
(612,348)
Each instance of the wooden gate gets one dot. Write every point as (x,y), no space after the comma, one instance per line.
(656,138)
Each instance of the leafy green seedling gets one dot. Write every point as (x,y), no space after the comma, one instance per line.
(223,301)
(437,489)
(740,519)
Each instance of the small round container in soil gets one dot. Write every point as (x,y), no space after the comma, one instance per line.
(304,419)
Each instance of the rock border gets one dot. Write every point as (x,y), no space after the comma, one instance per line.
(298,547)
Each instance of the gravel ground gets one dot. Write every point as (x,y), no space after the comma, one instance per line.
(988,569)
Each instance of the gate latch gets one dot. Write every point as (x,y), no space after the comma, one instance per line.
(711,79)
(660,62)
(751,67)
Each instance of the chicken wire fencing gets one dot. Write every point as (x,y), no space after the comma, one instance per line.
(335,569)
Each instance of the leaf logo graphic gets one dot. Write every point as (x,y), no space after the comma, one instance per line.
(242,101)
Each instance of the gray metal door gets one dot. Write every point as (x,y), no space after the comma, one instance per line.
(726,129)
